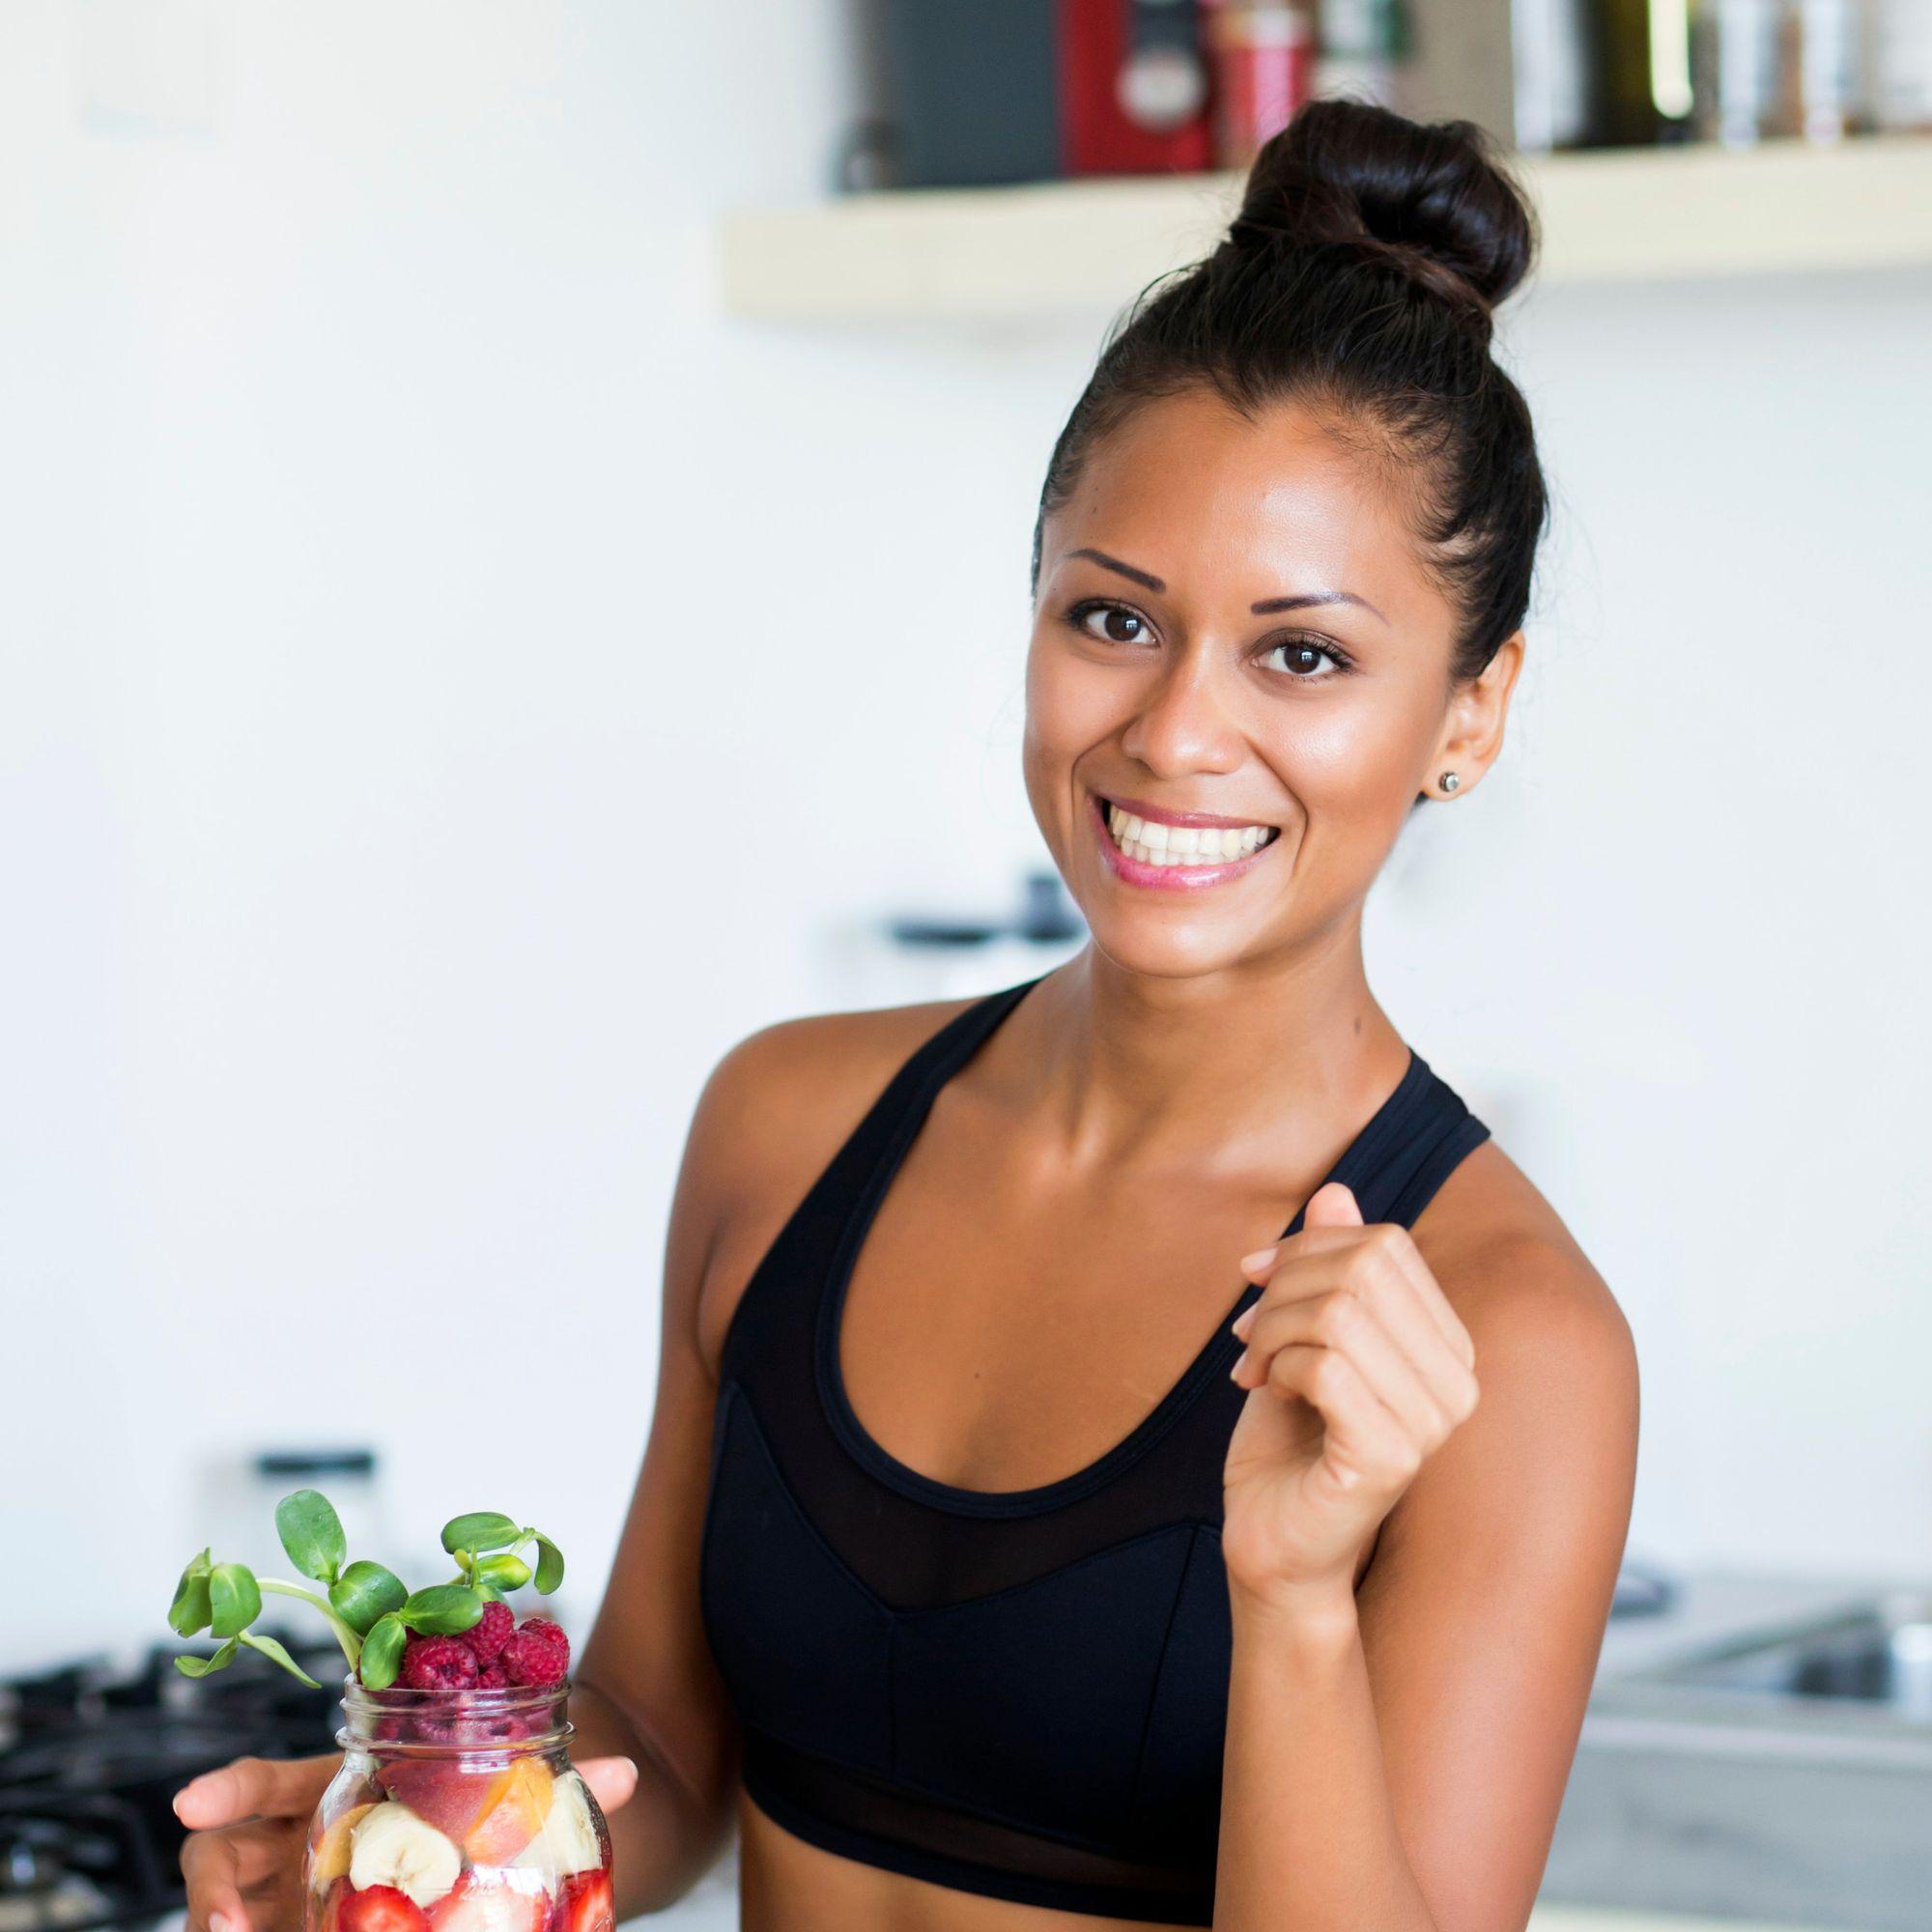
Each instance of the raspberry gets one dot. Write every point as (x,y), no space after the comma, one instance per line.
(437,1663)
(537,1654)
(492,1677)
(490,1633)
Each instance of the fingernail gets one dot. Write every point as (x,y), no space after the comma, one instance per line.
(218,1921)
(1244,1320)
(1259,1258)
(632,1763)
(1234,1376)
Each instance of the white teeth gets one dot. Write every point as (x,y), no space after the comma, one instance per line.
(1156,844)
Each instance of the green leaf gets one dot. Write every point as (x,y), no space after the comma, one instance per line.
(490,1593)
(382,1651)
(188,1613)
(504,1570)
(311,1532)
(273,1651)
(201,1667)
(483,1529)
(550,1566)
(443,1609)
(364,1592)
(234,1598)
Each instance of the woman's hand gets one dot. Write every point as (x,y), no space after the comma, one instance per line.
(1357,1369)
(248,1822)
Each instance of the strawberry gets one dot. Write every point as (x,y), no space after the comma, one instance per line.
(584,1903)
(379,1908)
(482,1903)
(328,1917)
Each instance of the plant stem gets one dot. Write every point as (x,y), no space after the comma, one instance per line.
(352,1644)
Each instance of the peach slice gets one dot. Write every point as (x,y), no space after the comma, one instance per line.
(513,1811)
(330,1859)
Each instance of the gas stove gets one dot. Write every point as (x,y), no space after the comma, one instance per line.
(92,1754)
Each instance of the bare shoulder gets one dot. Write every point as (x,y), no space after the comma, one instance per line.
(774,1111)
(1555,1426)
(1509,1265)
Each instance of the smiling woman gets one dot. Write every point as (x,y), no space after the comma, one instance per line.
(1131,1448)
(1027,1603)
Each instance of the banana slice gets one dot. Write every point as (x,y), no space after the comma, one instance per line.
(567,1843)
(390,1845)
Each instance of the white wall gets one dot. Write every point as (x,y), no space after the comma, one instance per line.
(420,603)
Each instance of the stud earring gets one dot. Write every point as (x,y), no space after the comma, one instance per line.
(1449,780)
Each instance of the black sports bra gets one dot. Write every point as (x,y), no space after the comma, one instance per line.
(1017,1693)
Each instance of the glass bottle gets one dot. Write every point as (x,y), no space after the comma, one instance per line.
(457,1811)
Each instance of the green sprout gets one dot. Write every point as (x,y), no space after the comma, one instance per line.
(366,1607)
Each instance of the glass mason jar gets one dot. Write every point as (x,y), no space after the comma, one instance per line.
(457,1811)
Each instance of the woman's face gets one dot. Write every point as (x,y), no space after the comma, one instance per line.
(1158,677)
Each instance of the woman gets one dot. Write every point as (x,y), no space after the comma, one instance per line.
(1012,1604)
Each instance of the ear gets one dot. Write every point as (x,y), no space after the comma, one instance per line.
(1472,731)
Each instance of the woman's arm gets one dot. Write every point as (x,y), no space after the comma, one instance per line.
(645,1685)
(1397,1757)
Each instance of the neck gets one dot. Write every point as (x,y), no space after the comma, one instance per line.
(1251,1064)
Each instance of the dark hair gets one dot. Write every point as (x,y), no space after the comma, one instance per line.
(1360,278)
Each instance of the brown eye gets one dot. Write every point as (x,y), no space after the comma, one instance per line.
(1122,626)
(1303,659)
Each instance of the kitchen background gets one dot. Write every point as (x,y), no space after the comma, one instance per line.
(485,625)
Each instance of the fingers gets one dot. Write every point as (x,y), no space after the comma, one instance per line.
(1381,1261)
(1332,1204)
(1364,1443)
(611,1780)
(254,1787)
(1352,1325)
(210,1864)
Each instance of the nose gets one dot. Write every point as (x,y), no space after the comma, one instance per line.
(1184,725)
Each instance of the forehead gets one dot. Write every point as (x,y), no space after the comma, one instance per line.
(1210,499)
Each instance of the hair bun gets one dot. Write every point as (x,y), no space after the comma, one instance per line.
(1428,196)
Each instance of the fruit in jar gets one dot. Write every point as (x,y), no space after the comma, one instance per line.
(515,1810)
(328,1917)
(390,1847)
(536,1654)
(484,1901)
(490,1633)
(491,1815)
(329,1860)
(584,1904)
(380,1908)
(437,1663)
(568,1842)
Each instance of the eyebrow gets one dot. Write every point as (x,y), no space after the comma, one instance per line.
(1261,609)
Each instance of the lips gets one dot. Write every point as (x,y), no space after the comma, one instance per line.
(1168,862)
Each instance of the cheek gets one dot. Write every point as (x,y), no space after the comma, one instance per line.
(1070,707)
(1352,761)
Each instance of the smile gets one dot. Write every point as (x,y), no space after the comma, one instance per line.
(1153,852)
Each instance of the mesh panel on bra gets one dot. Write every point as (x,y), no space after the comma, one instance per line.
(854,1811)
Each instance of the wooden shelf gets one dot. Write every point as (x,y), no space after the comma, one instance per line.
(1622,215)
